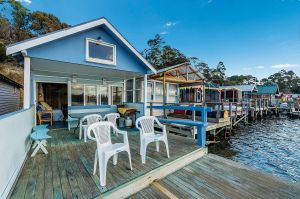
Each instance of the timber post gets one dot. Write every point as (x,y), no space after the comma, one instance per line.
(201,130)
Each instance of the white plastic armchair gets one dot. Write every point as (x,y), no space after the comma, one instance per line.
(90,119)
(145,125)
(112,117)
(105,148)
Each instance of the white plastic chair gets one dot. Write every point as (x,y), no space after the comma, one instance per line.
(145,125)
(112,117)
(105,148)
(90,119)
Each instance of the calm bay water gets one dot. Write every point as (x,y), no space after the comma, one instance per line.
(271,145)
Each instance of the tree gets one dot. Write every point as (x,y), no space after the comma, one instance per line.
(20,22)
(204,69)
(287,81)
(241,79)
(218,73)
(17,23)
(161,55)
(42,23)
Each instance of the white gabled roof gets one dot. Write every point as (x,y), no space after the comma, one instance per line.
(21,46)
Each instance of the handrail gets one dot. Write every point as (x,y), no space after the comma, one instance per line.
(188,108)
(201,125)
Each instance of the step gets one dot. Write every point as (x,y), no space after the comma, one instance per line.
(145,180)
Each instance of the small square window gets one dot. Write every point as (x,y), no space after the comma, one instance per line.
(100,52)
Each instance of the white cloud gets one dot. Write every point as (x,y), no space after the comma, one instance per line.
(163,33)
(25,1)
(259,67)
(170,24)
(285,66)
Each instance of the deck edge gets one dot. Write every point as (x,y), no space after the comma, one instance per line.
(145,180)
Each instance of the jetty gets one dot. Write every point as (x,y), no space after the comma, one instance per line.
(67,172)
(214,177)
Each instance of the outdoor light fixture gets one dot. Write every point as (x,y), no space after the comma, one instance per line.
(74,78)
(103,81)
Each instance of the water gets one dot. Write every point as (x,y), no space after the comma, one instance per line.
(271,145)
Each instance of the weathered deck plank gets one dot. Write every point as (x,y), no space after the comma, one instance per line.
(215,177)
(67,171)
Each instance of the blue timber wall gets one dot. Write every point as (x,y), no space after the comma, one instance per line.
(72,49)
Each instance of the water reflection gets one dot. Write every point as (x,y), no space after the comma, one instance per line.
(271,145)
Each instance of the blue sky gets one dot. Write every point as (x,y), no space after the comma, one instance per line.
(257,37)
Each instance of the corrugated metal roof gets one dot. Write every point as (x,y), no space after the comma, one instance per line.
(243,88)
(267,89)
(10,81)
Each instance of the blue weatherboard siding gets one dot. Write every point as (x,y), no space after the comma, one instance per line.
(72,49)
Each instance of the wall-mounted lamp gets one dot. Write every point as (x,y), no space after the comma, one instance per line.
(74,78)
(103,81)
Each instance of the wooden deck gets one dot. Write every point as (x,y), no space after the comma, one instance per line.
(66,172)
(214,177)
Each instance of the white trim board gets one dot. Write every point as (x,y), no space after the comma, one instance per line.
(22,46)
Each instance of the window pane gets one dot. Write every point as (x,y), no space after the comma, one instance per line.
(103,95)
(172,89)
(139,83)
(90,95)
(139,97)
(117,95)
(159,88)
(159,92)
(129,84)
(172,99)
(77,95)
(129,96)
(149,92)
(100,51)
(139,89)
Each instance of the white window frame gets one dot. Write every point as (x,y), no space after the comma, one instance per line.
(96,60)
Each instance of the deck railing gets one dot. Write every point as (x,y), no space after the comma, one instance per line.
(15,129)
(201,125)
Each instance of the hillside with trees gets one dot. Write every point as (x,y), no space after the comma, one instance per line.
(17,23)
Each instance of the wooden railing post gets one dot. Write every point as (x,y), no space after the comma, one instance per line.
(201,130)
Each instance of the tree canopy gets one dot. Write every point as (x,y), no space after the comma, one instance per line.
(287,81)
(17,23)
(161,55)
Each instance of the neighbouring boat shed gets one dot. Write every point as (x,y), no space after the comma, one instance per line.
(237,93)
(267,92)
(180,83)
(212,93)
(9,95)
